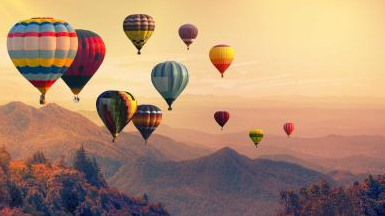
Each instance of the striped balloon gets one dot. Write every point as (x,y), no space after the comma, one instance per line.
(116,109)
(146,119)
(42,49)
(256,136)
(188,33)
(222,56)
(221,117)
(170,78)
(139,28)
(89,57)
(288,128)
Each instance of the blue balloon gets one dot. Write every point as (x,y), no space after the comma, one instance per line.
(170,78)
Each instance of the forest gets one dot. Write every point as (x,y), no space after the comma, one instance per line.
(38,187)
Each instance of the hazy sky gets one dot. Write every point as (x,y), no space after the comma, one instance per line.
(297,47)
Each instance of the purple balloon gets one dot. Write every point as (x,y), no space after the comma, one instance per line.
(188,33)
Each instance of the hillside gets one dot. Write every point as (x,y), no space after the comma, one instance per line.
(362,198)
(59,132)
(223,183)
(45,190)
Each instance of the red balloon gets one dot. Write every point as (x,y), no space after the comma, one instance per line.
(221,117)
(288,128)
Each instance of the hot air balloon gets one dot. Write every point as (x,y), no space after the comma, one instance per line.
(222,56)
(256,136)
(116,109)
(170,78)
(221,117)
(188,33)
(146,119)
(90,55)
(288,128)
(42,49)
(139,28)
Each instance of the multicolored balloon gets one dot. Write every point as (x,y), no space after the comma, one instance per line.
(188,33)
(222,56)
(256,136)
(170,78)
(146,119)
(90,55)
(116,109)
(221,117)
(42,49)
(139,28)
(288,128)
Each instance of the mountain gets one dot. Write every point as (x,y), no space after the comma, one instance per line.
(223,183)
(346,178)
(358,154)
(59,132)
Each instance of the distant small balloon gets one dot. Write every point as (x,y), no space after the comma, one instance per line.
(222,56)
(288,128)
(221,117)
(188,33)
(256,136)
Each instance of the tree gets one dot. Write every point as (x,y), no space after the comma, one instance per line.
(5,159)
(89,168)
(38,158)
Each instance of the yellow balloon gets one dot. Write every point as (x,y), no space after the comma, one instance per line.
(222,56)
(256,136)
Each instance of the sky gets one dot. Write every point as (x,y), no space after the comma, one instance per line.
(318,48)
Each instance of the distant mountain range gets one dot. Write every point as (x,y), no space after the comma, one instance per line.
(223,183)
(188,178)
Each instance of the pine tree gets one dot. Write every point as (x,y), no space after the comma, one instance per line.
(5,159)
(90,168)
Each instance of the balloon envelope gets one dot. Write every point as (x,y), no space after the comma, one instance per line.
(116,109)
(42,49)
(139,28)
(169,78)
(288,128)
(146,119)
(188,33)
(221,117)
(89,57)
(256,136)
(221,56)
